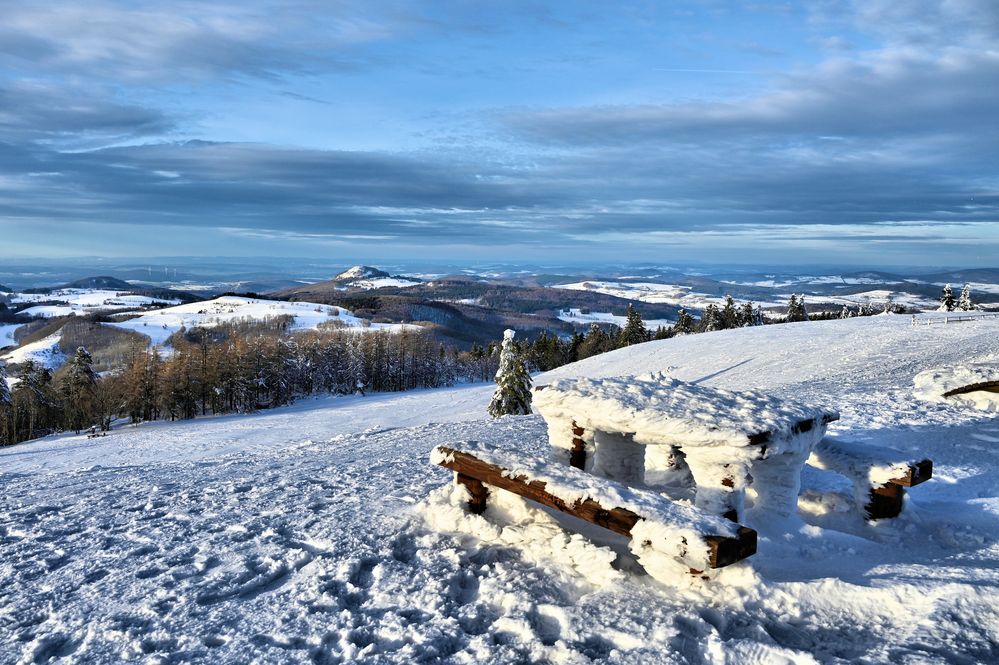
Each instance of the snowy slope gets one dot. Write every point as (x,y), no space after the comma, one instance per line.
(84,301)
(44,352)
(160,324)
(293,535)
(7,334)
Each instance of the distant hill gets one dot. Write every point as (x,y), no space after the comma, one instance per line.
(100,282)
(360,272)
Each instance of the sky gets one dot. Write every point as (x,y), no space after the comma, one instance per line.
(861,133)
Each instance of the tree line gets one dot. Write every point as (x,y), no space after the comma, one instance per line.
(238,373)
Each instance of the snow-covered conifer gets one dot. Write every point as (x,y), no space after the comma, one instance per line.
(728,316)
(513,383)
(684,322)
(965,303)
(4,388)
(634,331)
(711,319)
(746,315)
(946,299)
(796,309)
(845,314)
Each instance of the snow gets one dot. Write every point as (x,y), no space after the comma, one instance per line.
(44,352)
(655,292)
(575,315)
(933,384)
(659,410)
(676,526)
(305,533)
(7,334)
(159,325)
(85,301)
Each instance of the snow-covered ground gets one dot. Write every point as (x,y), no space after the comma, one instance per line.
(84,301)
(44,352)
(576,316)
(298,535)
(160,324)
(654,292)
(7,334)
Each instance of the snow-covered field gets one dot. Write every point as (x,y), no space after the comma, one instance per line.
(44,352)
(84,301)
(575,315)
(7,334)
(654,292)
(298,535)
(160,324)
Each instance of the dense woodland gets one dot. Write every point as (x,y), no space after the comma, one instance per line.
(243,367)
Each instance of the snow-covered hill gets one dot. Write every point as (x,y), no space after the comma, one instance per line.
(64,302)
(160,324)
(296,535)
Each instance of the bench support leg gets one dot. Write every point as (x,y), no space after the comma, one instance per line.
(577,456)
(720,487)
(477,492)
(885,501)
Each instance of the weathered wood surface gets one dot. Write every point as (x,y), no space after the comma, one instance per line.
(887,500)
(990,386)
(723,550)
(577,456)
(761,438)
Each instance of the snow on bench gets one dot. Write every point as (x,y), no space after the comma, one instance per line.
(657,526)
(974,385)
(604,426)
(879,475)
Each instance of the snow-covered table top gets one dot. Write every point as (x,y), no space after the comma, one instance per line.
(961,384)
(661,410)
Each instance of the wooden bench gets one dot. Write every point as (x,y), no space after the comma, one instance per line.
(477,475)
(880,499)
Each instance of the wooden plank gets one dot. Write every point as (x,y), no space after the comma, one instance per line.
(886,501)
(723,550)
(917,473)
(806,425)
(990,386)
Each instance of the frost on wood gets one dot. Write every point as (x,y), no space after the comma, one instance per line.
(718,437)
(676,530)
(659,410)
(973,385)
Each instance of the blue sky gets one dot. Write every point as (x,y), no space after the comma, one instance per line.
(830,131)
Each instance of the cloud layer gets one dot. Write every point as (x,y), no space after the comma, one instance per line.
(892,142)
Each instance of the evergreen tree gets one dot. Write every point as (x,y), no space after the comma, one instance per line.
(6,409)
(711,319)
(513,383)
(796,309)
(684,323)
(946,299)
(77,387)
(745,317)
(595,342)
(634,331)
(845,314)
(729,316)
(662,332)
(965,304)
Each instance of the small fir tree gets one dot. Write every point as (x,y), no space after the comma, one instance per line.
(746,317)
(729,316)
(4,388)
(845,314)
(513,383)
(711,319)
(965,304)
(634,329)
(796,309)
(947,299)
(684,323)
